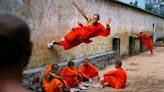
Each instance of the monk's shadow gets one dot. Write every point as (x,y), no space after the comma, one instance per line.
(146,55)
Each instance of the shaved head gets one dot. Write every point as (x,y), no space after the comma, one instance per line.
(71,64)
(55,67)
(15,45)
(86,60)
(118,64)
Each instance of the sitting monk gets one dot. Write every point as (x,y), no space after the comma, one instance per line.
(116,78)
(89,70)
(73,76)
(52,82)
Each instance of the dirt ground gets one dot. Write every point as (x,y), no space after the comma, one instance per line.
(145,73)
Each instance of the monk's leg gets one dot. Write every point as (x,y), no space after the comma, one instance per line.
(68,45)
(69,38)
(112,81)
(51,44)
(73,35)
(151,50)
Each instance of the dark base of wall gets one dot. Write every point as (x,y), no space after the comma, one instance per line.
(160,39)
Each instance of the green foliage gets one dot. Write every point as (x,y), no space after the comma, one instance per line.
(136,3)
(149,7)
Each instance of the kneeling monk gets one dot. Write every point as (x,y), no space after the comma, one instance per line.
(73,76)
(89,70)
(52,82)
(116,78)
(82,34)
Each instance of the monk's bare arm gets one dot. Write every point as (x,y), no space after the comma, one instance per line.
(110,73)
(54,75)
(108,23)
(80,10)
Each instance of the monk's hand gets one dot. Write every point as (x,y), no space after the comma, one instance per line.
(108,22)
(73,1)
(98,77)
(90,80)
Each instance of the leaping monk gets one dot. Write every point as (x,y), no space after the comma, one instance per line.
(83,33)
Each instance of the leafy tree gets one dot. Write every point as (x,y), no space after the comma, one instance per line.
(136,3)
(149,7)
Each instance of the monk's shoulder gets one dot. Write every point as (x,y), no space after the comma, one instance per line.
(100,25)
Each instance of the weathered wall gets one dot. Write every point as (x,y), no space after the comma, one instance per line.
(52,19)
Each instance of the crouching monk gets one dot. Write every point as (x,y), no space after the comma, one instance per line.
(147,41)
(52,82)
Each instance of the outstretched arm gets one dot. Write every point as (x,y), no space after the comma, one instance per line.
(80,10)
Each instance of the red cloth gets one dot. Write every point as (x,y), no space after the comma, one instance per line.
(93,31)
(68,45)
(146,40)
(70,76)
(116,78)
(48,68)
(90,71)
(54,85)
(82,34)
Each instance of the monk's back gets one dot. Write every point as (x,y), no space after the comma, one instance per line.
(121,75)
(54,85)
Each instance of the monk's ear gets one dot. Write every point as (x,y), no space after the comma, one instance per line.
(27,54)
(29,49)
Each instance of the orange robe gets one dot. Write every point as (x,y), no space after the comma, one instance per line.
(116,78)
(146,40)
(70,76)
(48,68)
(90,71)
(54,85)
(82,34)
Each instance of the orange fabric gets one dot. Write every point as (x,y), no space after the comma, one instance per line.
(55,85)
(82,75)
(90,71)
(82,34)
(93,31)
(116,78)
(70,76)
(48,68)
(68,45)
(146,40)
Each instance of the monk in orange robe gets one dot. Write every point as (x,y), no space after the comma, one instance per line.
(116,78)
(73,76)
(82,34)
(146,40)
(51,81)
(89,70)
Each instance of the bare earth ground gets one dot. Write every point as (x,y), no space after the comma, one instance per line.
(145,73)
